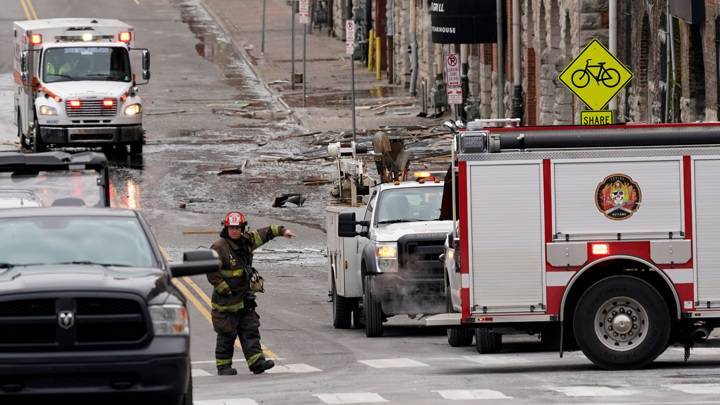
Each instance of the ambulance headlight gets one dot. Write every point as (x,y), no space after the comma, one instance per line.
(170,319)
(47,110)
(386,257)
(133,109)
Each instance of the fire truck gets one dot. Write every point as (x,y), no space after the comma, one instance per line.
(75,84)
(607,237)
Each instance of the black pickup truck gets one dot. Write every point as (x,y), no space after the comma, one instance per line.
(87,308)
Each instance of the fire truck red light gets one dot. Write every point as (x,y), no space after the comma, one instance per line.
(36,39)
(108,103)
(125,37)
(600,249)
(74,103)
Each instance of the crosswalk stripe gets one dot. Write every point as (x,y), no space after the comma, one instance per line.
(234,401)
(592,391)
(702,389)
(392,363)
(497,360)
(198,372)
(459,395)
(293,368)
(351,398)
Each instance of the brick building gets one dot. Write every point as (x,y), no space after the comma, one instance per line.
(674,60)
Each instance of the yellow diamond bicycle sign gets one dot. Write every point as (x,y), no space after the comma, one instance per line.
(595,75)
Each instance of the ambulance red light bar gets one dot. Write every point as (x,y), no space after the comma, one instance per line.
(108,103)
(600,249)
(36,39)
(74,103)
(125,37)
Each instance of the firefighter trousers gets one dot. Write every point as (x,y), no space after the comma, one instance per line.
(245,325)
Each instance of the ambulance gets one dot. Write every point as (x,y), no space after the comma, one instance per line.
(75,86)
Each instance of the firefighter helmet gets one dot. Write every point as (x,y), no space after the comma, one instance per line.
(234,218)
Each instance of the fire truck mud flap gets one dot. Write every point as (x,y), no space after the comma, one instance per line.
(622,322)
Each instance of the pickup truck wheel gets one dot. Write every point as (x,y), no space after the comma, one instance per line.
(187,398)
(342,310)
(373,311)
(136,148)
(622,322)
(487,342)
(458,337)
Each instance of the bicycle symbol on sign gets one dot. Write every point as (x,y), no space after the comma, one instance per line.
(606,77)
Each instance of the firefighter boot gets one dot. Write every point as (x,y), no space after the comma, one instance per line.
(226,370)
(261,366)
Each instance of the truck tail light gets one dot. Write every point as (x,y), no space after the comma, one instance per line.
(36,39)
(74,103)
(600,249)
(108,103)
(125,37)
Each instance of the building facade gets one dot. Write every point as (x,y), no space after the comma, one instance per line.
(674,59)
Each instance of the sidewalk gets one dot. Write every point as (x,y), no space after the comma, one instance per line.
(328,103)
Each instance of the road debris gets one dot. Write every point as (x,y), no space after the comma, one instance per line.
(295,198)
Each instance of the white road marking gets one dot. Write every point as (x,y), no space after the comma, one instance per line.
(242,361)
(293,368)
(234,401)
(351,398)
(592,391)
(497,360)
(459,395)
(392,363)
(702,389)
(198,372)
(698,351)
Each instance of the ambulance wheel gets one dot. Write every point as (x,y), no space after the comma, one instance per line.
(21,136)
(622,322)
(373,310)
(37,144)
(136,148)
(342,310)
(487,342)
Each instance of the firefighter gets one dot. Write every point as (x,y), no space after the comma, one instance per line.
(233,298)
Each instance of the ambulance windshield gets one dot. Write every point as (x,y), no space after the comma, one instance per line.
(86,63)
(410,204)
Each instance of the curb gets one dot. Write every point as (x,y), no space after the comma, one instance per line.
(243,54)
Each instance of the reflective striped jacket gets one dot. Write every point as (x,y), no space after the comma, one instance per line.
(230,284)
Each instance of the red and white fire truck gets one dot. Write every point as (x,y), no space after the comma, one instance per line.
(609,236)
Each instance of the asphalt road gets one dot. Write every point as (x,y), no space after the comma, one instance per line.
(192,133)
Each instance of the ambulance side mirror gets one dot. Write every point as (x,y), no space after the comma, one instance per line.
(347,226)
(24,66)
(146,64)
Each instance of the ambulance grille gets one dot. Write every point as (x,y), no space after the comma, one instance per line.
(91,108)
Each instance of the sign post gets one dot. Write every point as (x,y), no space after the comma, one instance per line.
(595,76)
(350,50)
(304,15)
(453,80)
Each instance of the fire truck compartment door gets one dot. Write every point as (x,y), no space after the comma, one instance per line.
(707,230)
(650,203)
(506,237)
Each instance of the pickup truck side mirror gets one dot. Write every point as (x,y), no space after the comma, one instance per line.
(347,226)
(196,262)
(24,66)
(146,64)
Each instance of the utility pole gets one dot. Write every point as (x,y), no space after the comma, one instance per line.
(292,44)
(612,39)
(517,99)
(500,61)
(262,41)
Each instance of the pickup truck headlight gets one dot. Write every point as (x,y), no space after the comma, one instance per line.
(47,110)
(386,256)
(133,109)
(170,320)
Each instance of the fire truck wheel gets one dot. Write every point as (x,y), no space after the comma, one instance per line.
(622,322)
(460,337)
(373,310)
(487,342)
(342,310)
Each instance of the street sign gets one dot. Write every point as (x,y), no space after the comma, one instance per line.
(595,75)
(452,70)
(455,95)
(604,117)
(349,37)
(304,12)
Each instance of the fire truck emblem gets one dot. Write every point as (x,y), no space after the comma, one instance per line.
(618,197)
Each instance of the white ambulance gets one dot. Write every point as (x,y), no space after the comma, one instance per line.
(605,236)
(75,84)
